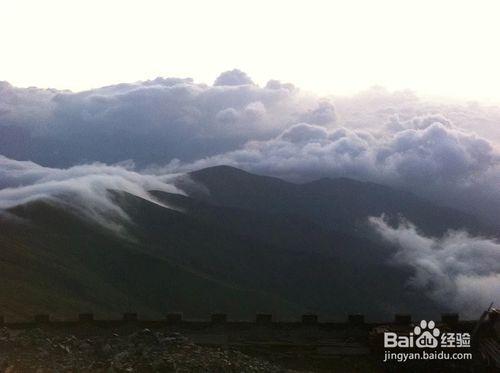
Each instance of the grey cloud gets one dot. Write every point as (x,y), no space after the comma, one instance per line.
(304,132)
(459,271)
(150,122)
(397,124)
(375,107)
(255,111)
(448,152)
(250,116)
(228,115)
(434,159)
(19,106)
(233,77)
(324,114)
(276,84)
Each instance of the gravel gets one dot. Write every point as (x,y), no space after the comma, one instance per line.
(37,350)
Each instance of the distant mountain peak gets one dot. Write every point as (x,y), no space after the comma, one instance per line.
(220,169)
(223,173)
(342,202)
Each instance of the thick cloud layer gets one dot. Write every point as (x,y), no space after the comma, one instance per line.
(85,188)
(459,271)
(427,147)
(447,152)
(149,122)
(427,155)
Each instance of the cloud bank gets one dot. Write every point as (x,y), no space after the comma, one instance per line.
(85,188)
(427,155)
(447,152)
(58,145)
(459,271)
(149,122)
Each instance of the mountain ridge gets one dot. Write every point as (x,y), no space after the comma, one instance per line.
(273,246)
(354,201)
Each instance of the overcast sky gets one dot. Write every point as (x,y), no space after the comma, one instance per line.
(445,48)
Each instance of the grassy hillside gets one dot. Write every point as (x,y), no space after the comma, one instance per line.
(243,245)
(340,204)
(60,263)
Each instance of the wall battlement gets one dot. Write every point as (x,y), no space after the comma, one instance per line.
(222,319)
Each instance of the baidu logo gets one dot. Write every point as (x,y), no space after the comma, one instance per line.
(426,335)
(426,342)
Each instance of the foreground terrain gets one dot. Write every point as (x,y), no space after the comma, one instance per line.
(197,346)
(40,351)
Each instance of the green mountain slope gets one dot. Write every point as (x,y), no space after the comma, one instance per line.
(340,204)
(238,243)
(58,262)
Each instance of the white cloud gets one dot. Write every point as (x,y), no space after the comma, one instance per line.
(459,271)
(83,187)
(324,114)
(427,155)
(150,122)
(304,132)
(233,77)
(447,152)
(227,116)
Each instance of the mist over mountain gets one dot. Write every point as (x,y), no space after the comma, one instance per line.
(456,268)
(378,203)
(225,234)
(447,152)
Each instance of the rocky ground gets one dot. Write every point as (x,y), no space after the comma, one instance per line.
(40,351)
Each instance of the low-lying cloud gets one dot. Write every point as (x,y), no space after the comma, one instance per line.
(447,152)
(458,271)
(84,187)
(427,155)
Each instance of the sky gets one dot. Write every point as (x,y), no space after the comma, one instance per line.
(437,48)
